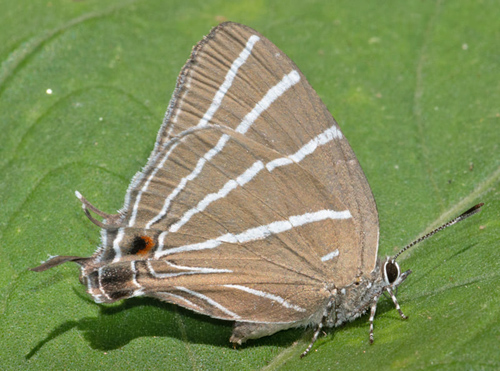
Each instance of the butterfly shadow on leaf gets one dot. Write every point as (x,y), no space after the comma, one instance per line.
(119,324)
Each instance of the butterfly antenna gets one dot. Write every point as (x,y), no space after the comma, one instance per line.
(473,210)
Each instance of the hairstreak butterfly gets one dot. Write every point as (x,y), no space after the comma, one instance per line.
(252,206)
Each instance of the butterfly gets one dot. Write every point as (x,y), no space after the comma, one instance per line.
(252,207)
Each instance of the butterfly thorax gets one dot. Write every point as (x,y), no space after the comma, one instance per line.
(352,301)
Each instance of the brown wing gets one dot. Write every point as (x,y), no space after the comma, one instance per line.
(258,190)
(238,79)
(252,206)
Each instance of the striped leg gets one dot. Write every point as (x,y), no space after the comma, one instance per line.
(395,301)
(318,329)
(373,309)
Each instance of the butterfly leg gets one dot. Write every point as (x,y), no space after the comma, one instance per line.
(373,310)
(395,301)
(315,337)
(318,329)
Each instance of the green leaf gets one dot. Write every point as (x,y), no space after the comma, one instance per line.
(414,86)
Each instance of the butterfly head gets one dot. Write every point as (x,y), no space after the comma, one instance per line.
(391,273)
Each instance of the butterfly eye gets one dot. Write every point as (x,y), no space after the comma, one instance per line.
(141,245)
(391,271)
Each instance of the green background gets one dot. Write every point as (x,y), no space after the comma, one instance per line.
(415,87)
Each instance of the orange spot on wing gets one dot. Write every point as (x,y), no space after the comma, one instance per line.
(150,243)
